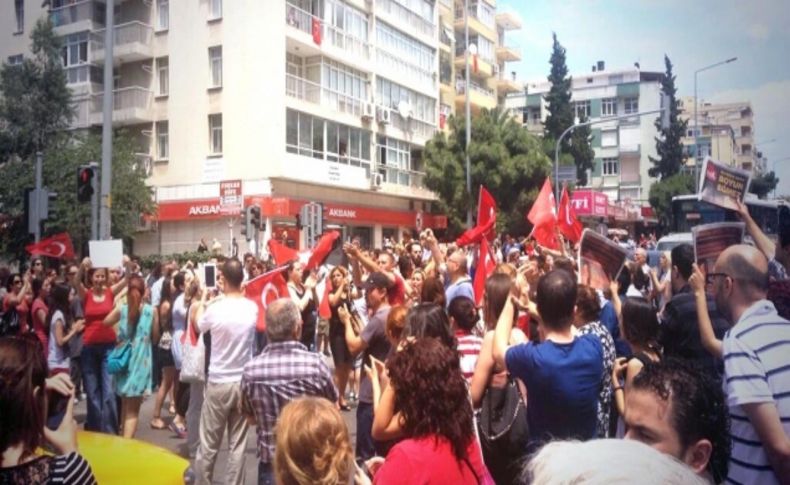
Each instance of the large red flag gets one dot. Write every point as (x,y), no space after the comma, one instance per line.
(316,30)
(57,246)
(321,250)
(485,266)
(486,220)
(281,253)
(265,289)
(543,216)
(570,227)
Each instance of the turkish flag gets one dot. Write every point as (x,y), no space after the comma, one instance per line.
(316,28)
(543,216)
(486,220)
(321,250)
(570,227)
(265,289)
(281,253)
(474,63)
(57,246)
(485,266)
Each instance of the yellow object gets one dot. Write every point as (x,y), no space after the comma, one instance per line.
(117,460)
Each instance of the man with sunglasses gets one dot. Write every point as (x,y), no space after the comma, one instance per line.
(757,374)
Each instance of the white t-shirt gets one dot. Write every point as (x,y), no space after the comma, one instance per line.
(58,356)
(231,322)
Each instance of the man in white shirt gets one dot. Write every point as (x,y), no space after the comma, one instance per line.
(231,321)
(756,370)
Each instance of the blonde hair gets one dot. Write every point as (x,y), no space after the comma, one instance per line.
(312,444)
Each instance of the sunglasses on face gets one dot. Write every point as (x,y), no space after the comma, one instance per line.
(17,282)
(710,278)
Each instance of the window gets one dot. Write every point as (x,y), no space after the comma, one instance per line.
(162,141)
(582,109)
(609,138)
(326,140)
(609,107)
(215,65)
(631,105)
(75,49)
(215,133)
(19,9)
(162,14)
(745,130)
(163,75)
(390,94)
(215,9)
(611,166)
(15,60)
(394,159)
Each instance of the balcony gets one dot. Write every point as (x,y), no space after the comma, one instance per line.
(507,85)
(302,21)
(312,92)
(78,16)
(485,66)
(132,42)
(83,73)
(407,18)
(131,105)
(508,20)
(479,96)
(481,19)
(506,53)
(405,178)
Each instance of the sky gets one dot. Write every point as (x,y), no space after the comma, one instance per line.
(693,34)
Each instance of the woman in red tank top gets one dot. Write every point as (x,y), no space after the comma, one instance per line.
(98,340)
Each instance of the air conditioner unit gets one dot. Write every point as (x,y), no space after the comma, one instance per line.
(146,225)
(368,111)
(376,181)
(383,115)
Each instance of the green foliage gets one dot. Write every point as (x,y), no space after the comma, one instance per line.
(669,145)
(763,184)
(147,262)
(35,106)
(582,152)
(661,194)
(504,158)
(560,115)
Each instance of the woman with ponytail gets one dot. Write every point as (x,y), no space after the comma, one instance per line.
(136,324)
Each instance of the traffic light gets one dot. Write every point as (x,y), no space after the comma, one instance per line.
(255,217)
(85,189)
(247,228)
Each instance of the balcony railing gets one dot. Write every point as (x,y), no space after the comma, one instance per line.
(313,92)
(406,69)
(302,20)
(133,97)
(479,10)
(407,178)
(460,51)
(76,12)
(125,34)
(83,73)
(418,23)
(413,125)
(460,86)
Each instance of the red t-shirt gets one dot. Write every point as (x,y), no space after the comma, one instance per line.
(397,293)
(22,309)
(39,326)
(96,332)
(429,461)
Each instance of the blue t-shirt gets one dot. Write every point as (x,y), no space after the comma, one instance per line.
(563,382)
(609,320)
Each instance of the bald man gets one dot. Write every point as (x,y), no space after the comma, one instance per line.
(756,368)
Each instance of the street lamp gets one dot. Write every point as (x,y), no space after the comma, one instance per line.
(696,119)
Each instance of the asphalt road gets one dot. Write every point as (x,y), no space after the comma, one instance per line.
(170,441)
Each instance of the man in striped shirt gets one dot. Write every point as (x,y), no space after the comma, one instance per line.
(756,368)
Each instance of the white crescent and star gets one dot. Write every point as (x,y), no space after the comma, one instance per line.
(56,244)
(267,289)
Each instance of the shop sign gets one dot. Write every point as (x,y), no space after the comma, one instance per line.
(231,200)
(204,210)
(338,213)
(590,203)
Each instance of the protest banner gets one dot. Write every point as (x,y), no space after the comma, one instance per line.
(106,254)
(600,260)
(722,185)
(711,239)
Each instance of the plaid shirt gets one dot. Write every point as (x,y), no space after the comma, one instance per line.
(282,372)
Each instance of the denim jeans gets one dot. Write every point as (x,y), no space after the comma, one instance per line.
(102,410)
(366,447)
(265,473)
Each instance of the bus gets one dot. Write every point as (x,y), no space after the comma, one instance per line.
(688,211)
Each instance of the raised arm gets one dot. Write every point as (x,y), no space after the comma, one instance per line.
(127,273)
(708,338)
(762,241)
(355,343)
(483,370)
(386,422)
(502,333)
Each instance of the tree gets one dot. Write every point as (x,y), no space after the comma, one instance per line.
(582,152)
(669,143)
(35,107)
(763,184)
(560,115)
(503,156)
(661,194)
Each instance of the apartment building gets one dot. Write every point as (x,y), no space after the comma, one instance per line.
(716,122)
(622,147)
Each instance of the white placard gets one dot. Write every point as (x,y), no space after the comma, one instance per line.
(106,254)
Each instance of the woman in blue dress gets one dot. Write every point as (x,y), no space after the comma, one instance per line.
(136,323)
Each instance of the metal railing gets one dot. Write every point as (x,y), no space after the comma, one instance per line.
(482,12)
(404,68)
(398,176)
(83,73)
(413,125)
(460,86)
(313,92)
(460,50)
(420,25)
(85,10)
(302,20)
(126,33)
(125,98)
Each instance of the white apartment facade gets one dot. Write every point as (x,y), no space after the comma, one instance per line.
(329,101)
(622,147)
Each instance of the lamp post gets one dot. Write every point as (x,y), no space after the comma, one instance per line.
(468,109)
(696,119)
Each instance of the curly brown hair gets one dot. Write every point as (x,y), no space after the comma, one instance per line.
(431,394)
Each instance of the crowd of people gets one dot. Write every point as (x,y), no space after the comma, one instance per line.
(670,375)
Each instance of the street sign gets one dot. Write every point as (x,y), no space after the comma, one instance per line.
(231,199)
(566,173)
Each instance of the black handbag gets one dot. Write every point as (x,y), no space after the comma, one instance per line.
(503,414)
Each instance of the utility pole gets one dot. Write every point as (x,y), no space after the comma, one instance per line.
(105,222)
(468,114)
